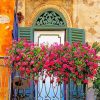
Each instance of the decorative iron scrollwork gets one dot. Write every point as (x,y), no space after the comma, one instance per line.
(50,18)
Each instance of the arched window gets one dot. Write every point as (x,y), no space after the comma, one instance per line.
(50,18)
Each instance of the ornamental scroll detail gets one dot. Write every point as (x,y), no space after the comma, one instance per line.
(50,18)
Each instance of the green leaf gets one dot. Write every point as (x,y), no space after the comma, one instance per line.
(79,82)
(96,46)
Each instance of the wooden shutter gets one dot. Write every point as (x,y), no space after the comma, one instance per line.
(76,35)
(25,32)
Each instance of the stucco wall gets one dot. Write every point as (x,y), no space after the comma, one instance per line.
(88,17)
(31,9)
(78,13)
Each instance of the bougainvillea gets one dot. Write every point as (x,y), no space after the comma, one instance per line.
(77,62)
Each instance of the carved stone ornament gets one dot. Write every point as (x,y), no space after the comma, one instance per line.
(4,19)
(49,18)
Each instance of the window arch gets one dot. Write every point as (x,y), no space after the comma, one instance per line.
(50,18)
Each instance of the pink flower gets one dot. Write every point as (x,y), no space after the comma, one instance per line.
(94,72)
(28,71)
(81,69)
(26,44)
(65,66)
(22,54)
(80,76)
(28,59)
(55,73)
(49,75)
(18,50)
(23,50)
(51,63)
(66,43)
(74,79)
(19,39)
(51,81)
(85,81)
(95,66)
(32,62)
(31,53)
(75,44)
(69,46)
(19,63)
(67,74)
(90,75)
(45,67)
(18,58)
(71,62)
(57,61)
(34,69)
(90,63)
(63,59)
(69,67)
(86,60)
(76,73)
(58,79)
(24,63)
(65,80)
(13,59)
(32,46)
(52,55)
(22,69)
(92,51)
(47,63)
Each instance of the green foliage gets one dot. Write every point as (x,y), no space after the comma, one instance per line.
(96,46)
(96,83)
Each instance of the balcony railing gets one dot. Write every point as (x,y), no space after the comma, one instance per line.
(44,90)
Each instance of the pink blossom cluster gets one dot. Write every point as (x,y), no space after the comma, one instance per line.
(77,62)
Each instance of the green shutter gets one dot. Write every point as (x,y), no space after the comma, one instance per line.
(76,35)
(25,32)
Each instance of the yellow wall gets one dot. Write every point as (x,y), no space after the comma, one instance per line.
(88,17)
(78,13)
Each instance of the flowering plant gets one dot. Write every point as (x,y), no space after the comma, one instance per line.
(96,81)
(27,58)
(77,62)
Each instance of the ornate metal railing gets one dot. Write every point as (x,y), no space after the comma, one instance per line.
(49,91)
(77,92)
(44,90)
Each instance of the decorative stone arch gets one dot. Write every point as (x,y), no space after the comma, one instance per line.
(42,8)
